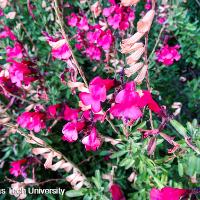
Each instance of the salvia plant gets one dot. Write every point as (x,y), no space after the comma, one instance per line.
(99,99)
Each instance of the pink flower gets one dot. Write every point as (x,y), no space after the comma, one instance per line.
(124,25)
(21,72)
(108,11)
(7,33)
(146,99)
(92,37)
(128,103)
(70,131)
(106,40)
(83,24)
(161,20)
(97,93)
(91,142)
(52,111)
(60,49)
(114,20)
(168,193)
(119,17)
(167,54)
(93,52)
(33,121)
(116,192)
(61,53)
(72,20)
(1,12)
(147,6)
(17,168)
(112,2)
(70,114)
(15,52)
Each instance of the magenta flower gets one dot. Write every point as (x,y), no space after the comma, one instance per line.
(21,73)
(119,17)
(168,193)
(15,52)
(70,114)
(108,11)
(33,121)
(97,93)
(106,40)
(91,142)
(18,168)
(83,24)
(60,49)
(61,53)
(147,6)
(114,20)
(167,55)
(1,12)
(72,20)
(93,52)
(116,192)
(161,20)
(92,37)
(146,99)
(71,129)
(7,33)
(52,111)
(128,103)
(93,40)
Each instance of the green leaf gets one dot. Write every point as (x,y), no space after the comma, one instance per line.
(179,127)
(97,179)
(192,165)
(180,169)
(118,154)
(75,193)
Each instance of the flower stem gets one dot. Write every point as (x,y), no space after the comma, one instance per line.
(60,21)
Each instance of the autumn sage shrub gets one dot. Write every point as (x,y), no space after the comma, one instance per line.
(89,104)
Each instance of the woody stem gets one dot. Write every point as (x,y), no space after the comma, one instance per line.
(147,75)
(45,145)
(60,21)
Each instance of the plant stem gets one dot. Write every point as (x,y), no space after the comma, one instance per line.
(60,21)
(147,76)
(13,95)
(45,145)
(157,41)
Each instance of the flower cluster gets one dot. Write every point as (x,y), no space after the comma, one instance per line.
(18,69)
(168,54)
(21,72)
(128,103)
(96,93)
(18,168)
(33,121)
(15,52)
(162,13)
(91,100)
(7,33)
(92,40)
(60,49)
(119,17)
